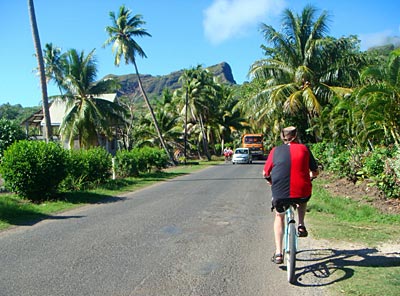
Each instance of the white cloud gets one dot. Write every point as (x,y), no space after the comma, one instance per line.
(225,19)
(377,39)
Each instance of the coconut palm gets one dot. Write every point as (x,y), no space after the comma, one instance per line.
(302,66)
(53,60)
(227,117)
(381,98)
(88,116)
(167,117)
(195,100)
(43,84)
(121,35)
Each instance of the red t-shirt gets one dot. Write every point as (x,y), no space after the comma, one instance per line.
(289,167)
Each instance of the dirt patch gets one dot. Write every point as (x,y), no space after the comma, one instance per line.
(364,192)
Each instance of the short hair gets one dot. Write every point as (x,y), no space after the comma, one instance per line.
(288,134)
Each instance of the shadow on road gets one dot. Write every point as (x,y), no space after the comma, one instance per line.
(323,267)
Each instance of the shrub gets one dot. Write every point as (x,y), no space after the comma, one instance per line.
(131,163)
(154,158)
(374,162)
(390,181)
(10,132)
(126,164)
(34,169)
(325,153)
(87,168)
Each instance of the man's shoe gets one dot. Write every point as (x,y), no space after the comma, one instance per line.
(302,231)
(277,258)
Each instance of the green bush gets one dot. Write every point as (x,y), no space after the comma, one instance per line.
(132,163)
(34,169)
(87,168)
(374,162)
(325,153)
(154,158)
(390,181)
(126,164)
(10,132)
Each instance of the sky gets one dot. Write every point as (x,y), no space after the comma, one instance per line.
(184,34)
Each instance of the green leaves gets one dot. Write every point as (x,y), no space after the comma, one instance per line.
(34,169)
(10,132)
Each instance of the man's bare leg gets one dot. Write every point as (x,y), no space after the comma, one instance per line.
(279,224)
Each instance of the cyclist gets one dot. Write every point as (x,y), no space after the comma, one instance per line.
(289,170)
(228,153)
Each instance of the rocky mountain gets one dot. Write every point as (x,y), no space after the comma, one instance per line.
(154,85)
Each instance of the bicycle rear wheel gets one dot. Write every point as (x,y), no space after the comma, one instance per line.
(291,253)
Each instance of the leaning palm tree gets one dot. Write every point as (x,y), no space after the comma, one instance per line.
(43,84)
(121,35)
(87,116)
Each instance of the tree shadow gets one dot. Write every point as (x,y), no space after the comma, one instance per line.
(23,213)
(323,267)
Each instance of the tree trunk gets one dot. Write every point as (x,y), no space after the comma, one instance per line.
(43,84)
(204,136)
(153,116)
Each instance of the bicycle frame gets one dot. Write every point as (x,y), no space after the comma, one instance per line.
(290,243)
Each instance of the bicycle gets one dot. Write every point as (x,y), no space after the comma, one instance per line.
(290,242)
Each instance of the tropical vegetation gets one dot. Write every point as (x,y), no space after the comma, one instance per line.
(344,101)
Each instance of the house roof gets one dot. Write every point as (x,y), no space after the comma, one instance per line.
(57,111)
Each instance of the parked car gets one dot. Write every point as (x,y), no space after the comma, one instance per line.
(242,155)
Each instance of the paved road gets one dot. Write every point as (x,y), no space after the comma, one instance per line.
(208,233)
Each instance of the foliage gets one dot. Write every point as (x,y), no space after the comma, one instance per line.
(380,98)
(10,132)
(390,182)
(34,169)
(87,168)
(375,161)
(380,165)
(302,71)
(16,112)
(87,116)
(141,160)
(122,34)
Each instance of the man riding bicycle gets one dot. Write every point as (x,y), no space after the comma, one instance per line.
(289,170)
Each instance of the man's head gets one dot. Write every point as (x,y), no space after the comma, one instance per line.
(289,134)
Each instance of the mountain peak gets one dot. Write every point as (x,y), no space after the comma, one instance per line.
(154,85)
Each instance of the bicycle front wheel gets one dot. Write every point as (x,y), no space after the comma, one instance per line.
(291,253)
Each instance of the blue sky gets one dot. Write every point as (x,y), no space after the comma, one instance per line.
(185,33)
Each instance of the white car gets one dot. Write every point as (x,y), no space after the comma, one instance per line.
(242,155)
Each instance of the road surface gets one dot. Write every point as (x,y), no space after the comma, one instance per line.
(204,234)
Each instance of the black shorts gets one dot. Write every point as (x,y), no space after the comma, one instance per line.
(282,204)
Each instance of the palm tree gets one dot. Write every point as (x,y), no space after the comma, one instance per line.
(302,66)
(54,61)
(88,115)
(228,117)
(167,117)
(380,97)
(195,100)
(43,84)
(121,34)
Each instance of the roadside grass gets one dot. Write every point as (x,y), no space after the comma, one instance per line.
(15,211)
(341,219)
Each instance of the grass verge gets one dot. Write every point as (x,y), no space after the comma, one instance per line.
(15,211)
(344,221)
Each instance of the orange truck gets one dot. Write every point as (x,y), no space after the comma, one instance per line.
(255,143)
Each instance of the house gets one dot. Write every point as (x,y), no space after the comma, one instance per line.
(57,110)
